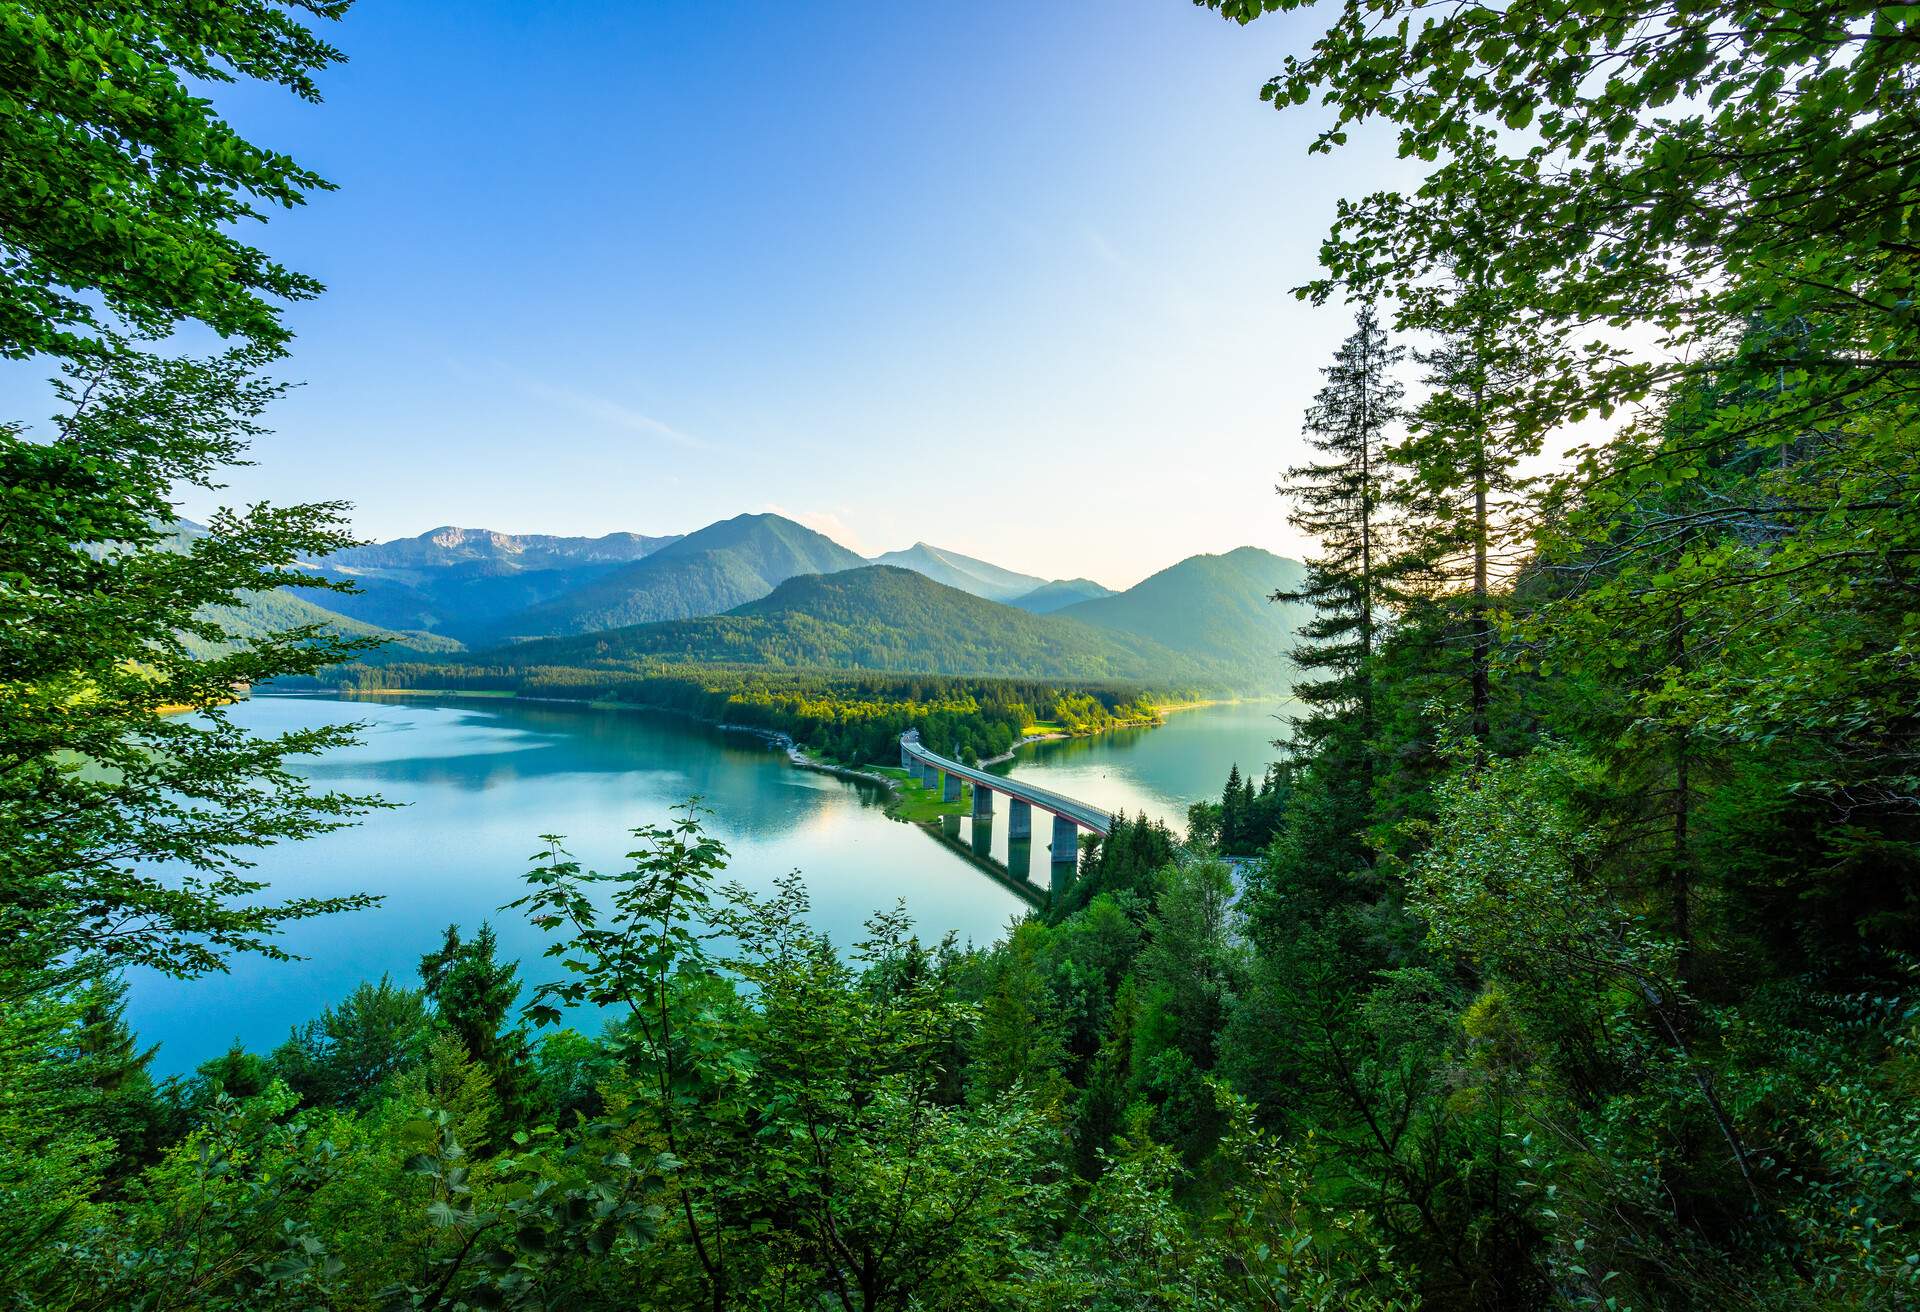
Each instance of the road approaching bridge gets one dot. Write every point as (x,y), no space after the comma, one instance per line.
(1070,815)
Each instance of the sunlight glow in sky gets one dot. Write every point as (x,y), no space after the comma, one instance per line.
(1012,279)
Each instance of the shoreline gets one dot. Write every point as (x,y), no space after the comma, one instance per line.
(779,739)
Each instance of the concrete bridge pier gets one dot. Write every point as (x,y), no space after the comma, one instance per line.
(954,779)
(1019,857)
(1066,843)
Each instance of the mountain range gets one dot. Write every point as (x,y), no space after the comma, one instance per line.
(1061,592)
(482,588)
(881,617)
(762,589)
(465,582)
(260,614)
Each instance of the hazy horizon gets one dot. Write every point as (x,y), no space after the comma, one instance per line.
(1014,565)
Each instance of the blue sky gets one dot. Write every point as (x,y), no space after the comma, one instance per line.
(1011,278)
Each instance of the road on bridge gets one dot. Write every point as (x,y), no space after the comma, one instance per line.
(1083,814)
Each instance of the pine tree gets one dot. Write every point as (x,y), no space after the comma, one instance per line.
(1341,502)
(1232,816)
(111,1062)
(473,994)
(1461,489)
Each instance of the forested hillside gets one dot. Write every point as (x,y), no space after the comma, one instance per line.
(881,618)
(704,573)
(1213,607)
(1578,967)
(1061,592)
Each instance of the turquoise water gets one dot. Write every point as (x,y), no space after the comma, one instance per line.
(1158,772)
(479,781)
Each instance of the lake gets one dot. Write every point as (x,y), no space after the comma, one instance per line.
(479,780)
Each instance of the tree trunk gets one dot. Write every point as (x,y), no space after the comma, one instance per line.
(1679,856)
(1482,637)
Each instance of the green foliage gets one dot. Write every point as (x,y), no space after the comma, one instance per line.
(219,1222)
(472,995)
(1018,1044)
(56,1154)
(818,1095)
(1576,969)
(123,190)
(119,196)
(1246,817)
(1126,861)
(345,1056)
(98,785)
(1343,503)
(1461,497)
(1540,957)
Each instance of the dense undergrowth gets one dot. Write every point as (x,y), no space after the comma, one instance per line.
(1577,968)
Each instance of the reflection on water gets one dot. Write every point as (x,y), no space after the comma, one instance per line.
(1160,771)
(1157,772)
(479,782)
(1019,857)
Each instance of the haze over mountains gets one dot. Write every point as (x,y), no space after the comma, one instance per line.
(762,589)
(1060,592)
(963,572)
(463,582)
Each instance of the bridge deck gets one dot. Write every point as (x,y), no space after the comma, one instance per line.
(1044,799)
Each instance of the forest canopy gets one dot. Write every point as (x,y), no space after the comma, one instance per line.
(1566,958)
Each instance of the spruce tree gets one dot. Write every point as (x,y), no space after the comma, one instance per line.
(1341,501)
(108,1058)
(473,993)
(1232,818)
(1461,490)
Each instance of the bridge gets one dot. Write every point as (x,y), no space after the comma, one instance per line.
(1070,815)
